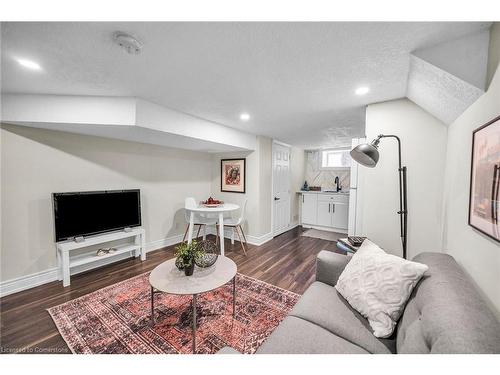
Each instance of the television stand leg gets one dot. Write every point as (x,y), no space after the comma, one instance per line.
(59,264)
(137,241)
(65,268)
(142,239)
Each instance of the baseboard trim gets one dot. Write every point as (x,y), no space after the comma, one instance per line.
(19,284)
(43,277)
(292,226)
(260,240)
(326,229)
(26,282)
(252,240)
(164,242)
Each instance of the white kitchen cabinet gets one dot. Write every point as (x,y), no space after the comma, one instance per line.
(325,211)
(309,208)
(324,215)
(340,215)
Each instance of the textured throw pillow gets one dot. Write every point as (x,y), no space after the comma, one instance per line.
(378,285)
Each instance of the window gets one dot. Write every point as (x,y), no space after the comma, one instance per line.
(335,159)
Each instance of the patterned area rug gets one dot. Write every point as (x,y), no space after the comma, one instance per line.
(117,319)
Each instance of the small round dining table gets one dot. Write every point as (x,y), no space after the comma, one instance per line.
(219,211)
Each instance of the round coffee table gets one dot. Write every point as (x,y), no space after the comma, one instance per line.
(166,278)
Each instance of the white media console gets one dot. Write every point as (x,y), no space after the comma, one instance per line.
(66,262)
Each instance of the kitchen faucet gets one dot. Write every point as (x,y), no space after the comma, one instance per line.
(337,182)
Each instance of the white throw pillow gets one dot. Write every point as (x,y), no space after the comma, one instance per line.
(378,285)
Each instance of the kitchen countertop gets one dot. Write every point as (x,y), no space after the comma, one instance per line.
(345,192)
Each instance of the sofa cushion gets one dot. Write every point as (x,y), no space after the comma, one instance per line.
(378,285)
(322,305)
(329,266)
(445,313)
(298,336)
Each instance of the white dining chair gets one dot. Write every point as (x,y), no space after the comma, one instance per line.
(199,219)
(235,223)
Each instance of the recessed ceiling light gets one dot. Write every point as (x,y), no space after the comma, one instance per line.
(29,64)
(362,90)
(244,117)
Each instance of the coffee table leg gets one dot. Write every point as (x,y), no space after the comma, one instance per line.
(152,306)
(194,323)
(234,296)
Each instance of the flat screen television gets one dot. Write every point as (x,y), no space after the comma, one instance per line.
(92,212)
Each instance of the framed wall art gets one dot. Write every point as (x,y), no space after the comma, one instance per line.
(233,175)
(485,179)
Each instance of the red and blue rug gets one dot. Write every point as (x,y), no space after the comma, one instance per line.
(117,319)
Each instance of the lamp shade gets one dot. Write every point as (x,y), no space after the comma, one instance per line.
(365,154)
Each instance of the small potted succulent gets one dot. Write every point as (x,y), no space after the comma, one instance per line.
(186,253)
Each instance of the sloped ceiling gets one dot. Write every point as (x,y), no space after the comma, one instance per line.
(465,57)
(440,93)
(447,78)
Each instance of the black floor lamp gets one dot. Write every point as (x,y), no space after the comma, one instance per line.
(367,154)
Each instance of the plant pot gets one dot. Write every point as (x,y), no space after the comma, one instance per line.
(188,270)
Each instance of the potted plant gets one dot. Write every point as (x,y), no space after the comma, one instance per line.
(186,254)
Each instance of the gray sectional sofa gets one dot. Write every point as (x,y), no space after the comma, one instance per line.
(445,314)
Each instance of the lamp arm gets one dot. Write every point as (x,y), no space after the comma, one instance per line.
(399,143)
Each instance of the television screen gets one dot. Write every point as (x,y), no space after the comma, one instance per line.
(92,212)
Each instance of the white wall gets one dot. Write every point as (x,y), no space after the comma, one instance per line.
(258,187)
(423,140)
(297,169)
(265,186)
(478,254)
(35,163)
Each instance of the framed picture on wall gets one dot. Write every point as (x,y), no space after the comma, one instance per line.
(485,179)
(233,175)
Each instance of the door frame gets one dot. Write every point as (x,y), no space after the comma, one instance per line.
(274,143)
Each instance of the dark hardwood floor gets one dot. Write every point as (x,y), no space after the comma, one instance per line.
(287,261)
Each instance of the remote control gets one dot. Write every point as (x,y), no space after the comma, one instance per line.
(355,240)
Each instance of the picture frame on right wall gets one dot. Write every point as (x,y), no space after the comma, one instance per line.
(484,205)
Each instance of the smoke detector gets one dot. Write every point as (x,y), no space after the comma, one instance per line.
(129,43)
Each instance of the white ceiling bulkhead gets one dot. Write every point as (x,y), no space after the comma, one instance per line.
(129,119)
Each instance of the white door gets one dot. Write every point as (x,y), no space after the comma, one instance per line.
(281,188)
(324,213)
(340,214)
(309,208)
